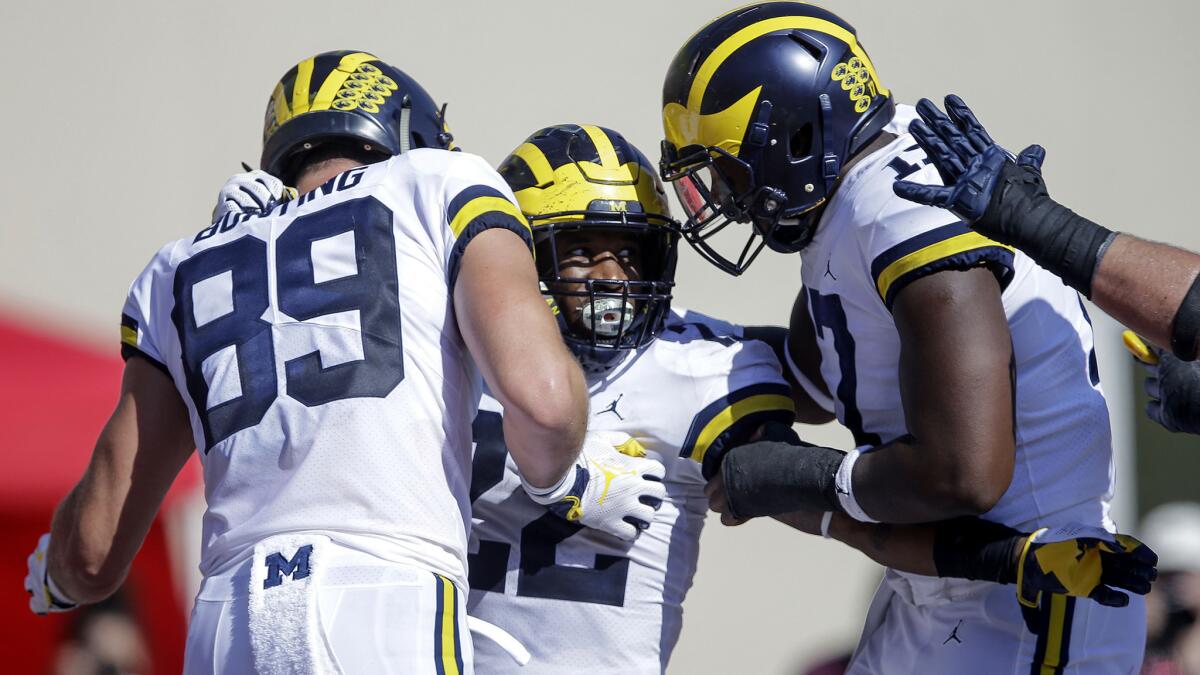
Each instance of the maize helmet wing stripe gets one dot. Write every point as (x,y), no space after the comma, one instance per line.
(349,96)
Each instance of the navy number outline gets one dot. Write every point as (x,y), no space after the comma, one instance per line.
(538,576)
(372,290)
(827,313)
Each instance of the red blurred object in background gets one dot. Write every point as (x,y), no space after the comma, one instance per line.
(55,396)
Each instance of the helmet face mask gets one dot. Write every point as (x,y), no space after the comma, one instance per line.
(594,201)
(717,189)
(606,317)
(761,110)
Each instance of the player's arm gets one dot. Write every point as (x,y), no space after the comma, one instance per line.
(100,525)
(1078,561)
(956,383)
(1154,289)
(957,391)
(1150,287)
(514,340)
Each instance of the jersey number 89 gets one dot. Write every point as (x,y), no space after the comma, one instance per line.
(223,302)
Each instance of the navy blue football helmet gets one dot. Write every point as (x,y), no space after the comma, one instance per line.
(350,96)
(761,109)
(579,179)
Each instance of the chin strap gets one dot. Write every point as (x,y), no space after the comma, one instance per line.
(405,114)
(830,163)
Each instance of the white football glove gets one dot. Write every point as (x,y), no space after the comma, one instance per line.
(613,488)
(44,595)
(251,192)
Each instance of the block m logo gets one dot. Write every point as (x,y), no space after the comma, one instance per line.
(278,566)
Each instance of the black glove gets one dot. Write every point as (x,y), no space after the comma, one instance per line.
(1074,560)
(1173,386)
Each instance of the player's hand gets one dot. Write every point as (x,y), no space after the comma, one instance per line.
(1085,562)
(718,500)
(42,600)
(613,488)
(971,165)
(1172,384)
(251,192)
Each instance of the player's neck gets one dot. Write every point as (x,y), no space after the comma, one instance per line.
(323,171)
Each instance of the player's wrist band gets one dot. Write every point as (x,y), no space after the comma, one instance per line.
(57,597)
(555,493)
(844,485)
(826,519)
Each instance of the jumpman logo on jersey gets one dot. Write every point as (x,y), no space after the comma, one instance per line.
(612,408)
(828,271)
(954,634)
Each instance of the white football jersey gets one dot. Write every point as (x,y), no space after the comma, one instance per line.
(581,600)
(316,349)
(870,244)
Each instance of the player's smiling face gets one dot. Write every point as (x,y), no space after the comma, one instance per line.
(593,254)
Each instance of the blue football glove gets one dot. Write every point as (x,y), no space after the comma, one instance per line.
(1084,562)
(1003,200)
(1172,384)
(969,161)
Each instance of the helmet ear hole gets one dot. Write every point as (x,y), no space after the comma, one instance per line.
(801,142)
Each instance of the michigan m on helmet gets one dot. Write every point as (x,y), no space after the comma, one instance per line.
(761,109)
(572,178)
(348,96)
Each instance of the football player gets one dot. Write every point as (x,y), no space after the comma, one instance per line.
(964,371)
(320,356)
(681,385)
(1153,288)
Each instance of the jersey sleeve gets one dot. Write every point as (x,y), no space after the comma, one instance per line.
(138,330)
(477,199)
(751,391)
(905,241)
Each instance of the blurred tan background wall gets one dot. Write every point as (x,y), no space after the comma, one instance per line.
(121,120)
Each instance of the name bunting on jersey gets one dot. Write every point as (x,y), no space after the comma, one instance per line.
(340,182)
